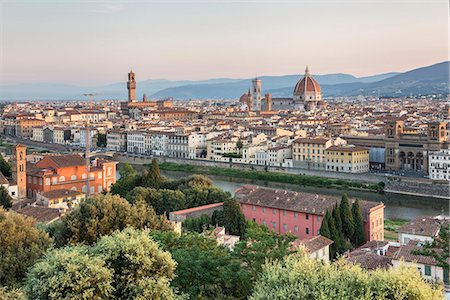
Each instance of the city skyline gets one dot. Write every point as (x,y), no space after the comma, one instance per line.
(94,43)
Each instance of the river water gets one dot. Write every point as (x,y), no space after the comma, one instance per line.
(397,206)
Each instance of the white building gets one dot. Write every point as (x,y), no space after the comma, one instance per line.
(136,142)
(439,165)
(38,134)
(11,187)
(116,140)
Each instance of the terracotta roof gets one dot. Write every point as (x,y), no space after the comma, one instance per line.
(296,201)
(311,140)
(61,193)
(426,226)
(369,260)
(307,84)
(406,253)
(314,243)
(61,161)
(40,213)
(198,208)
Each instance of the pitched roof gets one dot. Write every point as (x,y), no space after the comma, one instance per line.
(61,161)
(40,213)
(369,260)
(314,243)
(295,201)
(406,253)
(426,226)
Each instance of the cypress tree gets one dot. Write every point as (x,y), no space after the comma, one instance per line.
(337,218)
(348,227)
(153,178)
(358,236)
(335,236)
(5,167)
(324,227)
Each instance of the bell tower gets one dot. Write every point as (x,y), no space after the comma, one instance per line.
(131,85)
(19,170)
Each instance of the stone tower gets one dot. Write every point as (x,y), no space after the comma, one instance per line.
(19,170)
(256,94)
(131,85)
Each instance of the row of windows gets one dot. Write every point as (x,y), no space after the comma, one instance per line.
(285,227)
(285,212)
(55,180)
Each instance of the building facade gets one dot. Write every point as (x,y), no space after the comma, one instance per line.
(439,165)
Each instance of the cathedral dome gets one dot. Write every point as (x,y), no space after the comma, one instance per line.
(307,85)
(243,99)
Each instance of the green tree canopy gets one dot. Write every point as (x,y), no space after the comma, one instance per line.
(261,244)
(21,245)
(141,270)
(358,236)
(127,181)
(70,273)
(5,167)
(205,270)
(103,214)
(152,178)
(324,227)
(5,199)
(300,277)
(348,227)
(231,217)
(101,140)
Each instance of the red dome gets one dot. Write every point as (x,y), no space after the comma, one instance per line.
(243,98)
(307,84)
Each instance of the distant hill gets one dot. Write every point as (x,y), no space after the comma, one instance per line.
(432,79)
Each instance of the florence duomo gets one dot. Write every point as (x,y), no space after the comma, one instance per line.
(307,97)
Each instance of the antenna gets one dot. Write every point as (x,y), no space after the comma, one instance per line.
(88,149)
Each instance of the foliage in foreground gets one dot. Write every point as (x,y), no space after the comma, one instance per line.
(299,277)
(101,215)
(124,265)
(21,245)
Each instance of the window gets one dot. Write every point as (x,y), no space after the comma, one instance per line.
(284,213)
(55,180)
(47,181)
(29,179)
(318,218)
(427,270)
(62,178)
(34,180)
(99,175)
(73,177)
(109,171)
(307,230)
(83,175)
(274,211)
(92,189)
(264,222)
(307,216)
(285,227)
(99,189)
(40,181)
(295,228)
(253,207)
(92,175)
(296,215)
(264,209)
(274,224)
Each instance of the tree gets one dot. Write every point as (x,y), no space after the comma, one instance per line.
(300,277)
(5,199)
(324,227)
(141,270)
(101,140)
(337,246)
(194,181)
(127,181)
(70,273)
(439,248)
(358,236)
(153,178)
(205,270)
(104,214)
(197,224)
(348,227)
(239,145)
(22,245)
(231,217)
(5,167)
(261,244)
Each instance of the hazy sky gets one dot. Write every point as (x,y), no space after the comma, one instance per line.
(96,42)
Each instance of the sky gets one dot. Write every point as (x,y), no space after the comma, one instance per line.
(97,42)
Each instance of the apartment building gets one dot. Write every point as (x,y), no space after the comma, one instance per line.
(439,165)
(347,159)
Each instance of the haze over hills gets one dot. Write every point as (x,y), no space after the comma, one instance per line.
(432,79)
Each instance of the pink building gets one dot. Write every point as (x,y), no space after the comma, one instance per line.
(301,213)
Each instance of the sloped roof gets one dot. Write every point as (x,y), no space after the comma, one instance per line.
(61,161)
(3,179)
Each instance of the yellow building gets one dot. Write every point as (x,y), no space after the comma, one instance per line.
(310,152)
(347,158)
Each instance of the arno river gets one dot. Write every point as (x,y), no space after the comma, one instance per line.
(397,206)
